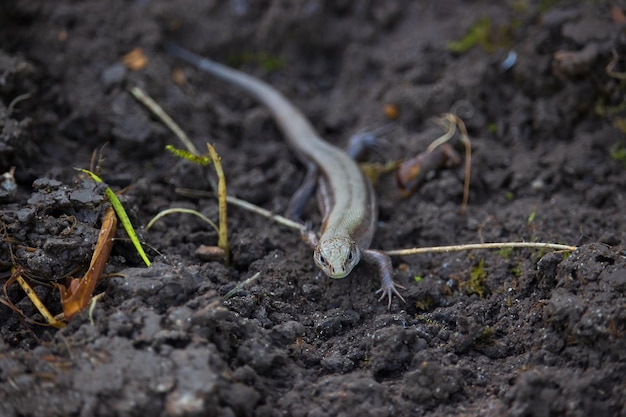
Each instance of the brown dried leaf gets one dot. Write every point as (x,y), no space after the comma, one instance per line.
(78,295)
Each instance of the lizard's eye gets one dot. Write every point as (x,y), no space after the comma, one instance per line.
(322,260)
(350,256)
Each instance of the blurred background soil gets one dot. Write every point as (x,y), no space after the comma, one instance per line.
(540,86)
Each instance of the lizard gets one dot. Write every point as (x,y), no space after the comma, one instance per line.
(345,195)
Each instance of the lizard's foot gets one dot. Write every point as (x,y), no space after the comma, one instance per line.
(388,289)
(382,261)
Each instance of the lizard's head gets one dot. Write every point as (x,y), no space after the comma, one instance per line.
(336,256)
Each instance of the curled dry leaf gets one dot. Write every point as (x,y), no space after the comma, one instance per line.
(77,295)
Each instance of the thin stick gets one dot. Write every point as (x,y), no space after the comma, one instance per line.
(181,210)
(450,122)
(468,161)
(43,310)
(240,286)
(153,106)
(246,206)
(471,246)
(16,100)
(610,68)
(222,234)
(266,213)
(92,306)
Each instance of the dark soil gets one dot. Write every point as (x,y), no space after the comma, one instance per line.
(490,333)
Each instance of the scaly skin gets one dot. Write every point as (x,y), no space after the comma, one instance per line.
(348,202)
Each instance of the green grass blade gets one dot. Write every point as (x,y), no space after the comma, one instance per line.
(121,214)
